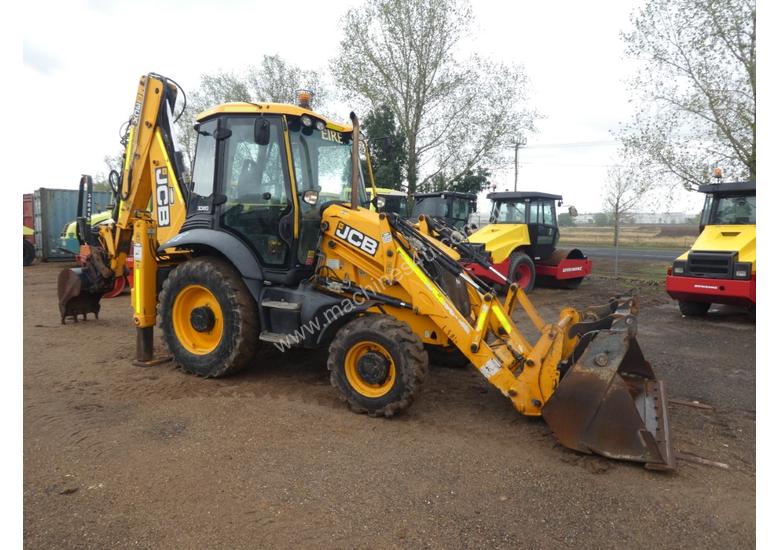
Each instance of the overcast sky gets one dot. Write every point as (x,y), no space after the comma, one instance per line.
(82,61)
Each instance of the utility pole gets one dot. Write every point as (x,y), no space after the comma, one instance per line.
(519,143)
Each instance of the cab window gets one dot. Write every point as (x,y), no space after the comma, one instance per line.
(547,213)
(254,184)
(205,155)
(509,212)
(735,210)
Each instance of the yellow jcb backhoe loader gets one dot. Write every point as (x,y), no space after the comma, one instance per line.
(279,247)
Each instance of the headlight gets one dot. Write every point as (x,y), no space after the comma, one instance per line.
(678,268)
(743,270)
(306,121)
(319,125)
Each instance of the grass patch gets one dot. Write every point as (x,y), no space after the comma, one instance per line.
(654,271)
(633,236)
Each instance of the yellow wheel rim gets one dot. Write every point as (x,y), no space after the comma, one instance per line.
(355,369)
(199,333)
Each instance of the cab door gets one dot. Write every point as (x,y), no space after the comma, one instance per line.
(542,228)
(255,184)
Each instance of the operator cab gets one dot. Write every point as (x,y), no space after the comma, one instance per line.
(728,204)
(391,201)
(451,206)
(536,210)
(262,173)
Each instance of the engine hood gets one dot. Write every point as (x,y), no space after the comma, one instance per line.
(728,238)
(500,239)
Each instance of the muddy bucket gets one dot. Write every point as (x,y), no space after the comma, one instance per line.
(79,289)
(610,402)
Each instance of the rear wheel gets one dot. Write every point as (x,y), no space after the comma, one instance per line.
(694,309)
(29,252)
(208,318)
(377,364)
(522,271)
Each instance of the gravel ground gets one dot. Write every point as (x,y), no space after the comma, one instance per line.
(117,456)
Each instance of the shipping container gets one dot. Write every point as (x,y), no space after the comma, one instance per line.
(53,210)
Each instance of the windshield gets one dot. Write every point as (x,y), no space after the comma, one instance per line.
(431,206)
(508,212)
(461,208)
(396,204)
(735,210)
(323,162)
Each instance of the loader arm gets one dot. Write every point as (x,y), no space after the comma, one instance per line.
(392,258)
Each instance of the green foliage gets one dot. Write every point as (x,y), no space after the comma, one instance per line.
(565,220)
(472,181)
(388,147)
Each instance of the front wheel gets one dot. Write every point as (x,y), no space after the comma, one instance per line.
(208,318)
(377,364)
(522,271)
(694,309)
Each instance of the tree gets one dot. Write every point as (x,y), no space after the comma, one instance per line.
(565,220)
(472,181)
(623,191)
(388,147)
(274,80)
(456,113)
(696,88)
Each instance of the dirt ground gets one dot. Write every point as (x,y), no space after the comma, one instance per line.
(117,456)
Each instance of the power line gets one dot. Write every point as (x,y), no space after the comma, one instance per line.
(572,144)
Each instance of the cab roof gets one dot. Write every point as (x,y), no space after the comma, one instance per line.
(746,187)
(445,194)
(522,195)
(386,191)
(246,108)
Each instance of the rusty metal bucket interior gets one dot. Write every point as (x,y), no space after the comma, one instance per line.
(610,402)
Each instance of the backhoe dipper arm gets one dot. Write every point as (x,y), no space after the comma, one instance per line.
(149,171)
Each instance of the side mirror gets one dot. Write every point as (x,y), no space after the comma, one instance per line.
(263,133)
(560,203)
(572,212)
(311,196)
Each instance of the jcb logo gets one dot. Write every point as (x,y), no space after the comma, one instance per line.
(356,238)
(163,197)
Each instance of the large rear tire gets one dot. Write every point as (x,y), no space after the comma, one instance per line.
(522,271)
(29,252)
(694,309)
(208,318)
(377,364)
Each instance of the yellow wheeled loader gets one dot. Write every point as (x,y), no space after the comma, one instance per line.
(279,247)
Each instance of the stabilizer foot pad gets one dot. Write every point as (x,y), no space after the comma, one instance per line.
(152,362)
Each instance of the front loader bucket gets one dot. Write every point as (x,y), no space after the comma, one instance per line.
(610,402)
